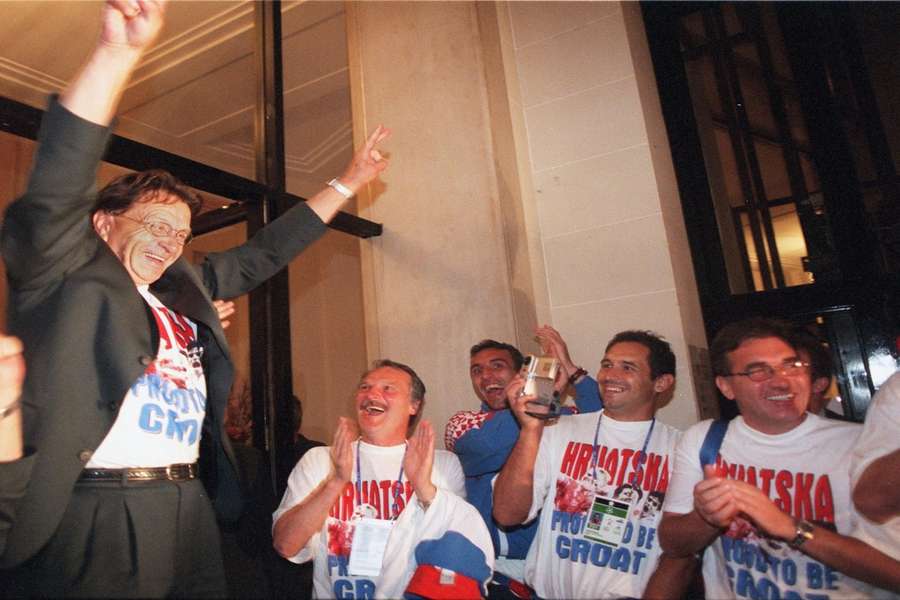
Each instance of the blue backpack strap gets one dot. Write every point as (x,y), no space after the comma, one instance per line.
(712,442)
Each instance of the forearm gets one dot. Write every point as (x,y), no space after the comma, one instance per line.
(95,92)
(425,492)
(514,487)
(294,528)
(877,493)
(854,558)
(327,203)
(685,535)
(672,578)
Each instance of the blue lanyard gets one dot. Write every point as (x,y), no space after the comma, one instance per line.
(641,457)
(397,487)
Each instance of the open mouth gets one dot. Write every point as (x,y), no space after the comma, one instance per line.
(612,388)
(372,409)
(155,258)
(493,389)
(780,398)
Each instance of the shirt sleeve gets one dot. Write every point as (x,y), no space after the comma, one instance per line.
(881,431)
(450,474)
(306,476)
(687,472)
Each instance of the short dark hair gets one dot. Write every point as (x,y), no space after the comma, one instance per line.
(820,363)
(734,334)
(661,357)
(416,387)
(154,185)
(518,359)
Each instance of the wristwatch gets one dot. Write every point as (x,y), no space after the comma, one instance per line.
(803,533)
(579,372)
(342,189)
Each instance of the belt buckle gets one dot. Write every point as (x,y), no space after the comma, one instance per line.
(169,473)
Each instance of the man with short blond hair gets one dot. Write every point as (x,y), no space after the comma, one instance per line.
(339,497)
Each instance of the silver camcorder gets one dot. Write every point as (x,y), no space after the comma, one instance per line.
(540,375)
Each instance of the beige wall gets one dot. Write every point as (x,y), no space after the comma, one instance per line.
(327,331)
(530,182)
(615,249)
(437,280)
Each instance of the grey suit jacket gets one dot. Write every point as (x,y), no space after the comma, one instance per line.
(89,335)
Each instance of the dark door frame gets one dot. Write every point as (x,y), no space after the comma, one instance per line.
(862,290)
(256,203)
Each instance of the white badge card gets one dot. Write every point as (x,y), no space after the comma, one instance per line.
(606,521)
(370,538)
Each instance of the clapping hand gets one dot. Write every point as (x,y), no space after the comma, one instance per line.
(714,499)
(342,449)
(418,461)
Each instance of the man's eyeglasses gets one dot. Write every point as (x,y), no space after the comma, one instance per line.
(160,229)
(767,372)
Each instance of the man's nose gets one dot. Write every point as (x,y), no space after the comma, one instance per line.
(779,377)
(608,374)
(170,243)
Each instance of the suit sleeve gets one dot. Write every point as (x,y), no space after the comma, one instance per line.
(237,271)
(44,231)
(687,471)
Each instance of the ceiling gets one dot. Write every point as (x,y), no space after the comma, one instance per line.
(195,91)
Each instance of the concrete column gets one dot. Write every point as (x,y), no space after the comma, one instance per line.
(610,224)
(438,280)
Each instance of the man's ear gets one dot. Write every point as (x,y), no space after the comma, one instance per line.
(414,407)
(724,386)
(821,384)
(663,382)
(102,222)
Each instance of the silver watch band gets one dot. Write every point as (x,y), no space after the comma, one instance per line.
(342,189)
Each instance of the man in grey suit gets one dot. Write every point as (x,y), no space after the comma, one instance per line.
(128,367)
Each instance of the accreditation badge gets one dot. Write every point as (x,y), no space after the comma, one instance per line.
(370,538)
(607,519)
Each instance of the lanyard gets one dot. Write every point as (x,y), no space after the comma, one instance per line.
(643,455)
(397,487)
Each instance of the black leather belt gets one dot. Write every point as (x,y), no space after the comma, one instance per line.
(179,472)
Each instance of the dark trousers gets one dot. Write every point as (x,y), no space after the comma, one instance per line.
(132,539)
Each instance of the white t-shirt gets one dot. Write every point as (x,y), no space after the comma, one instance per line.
(806,473)
(562,562)
(329,549)
(880,436)
(161,417)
